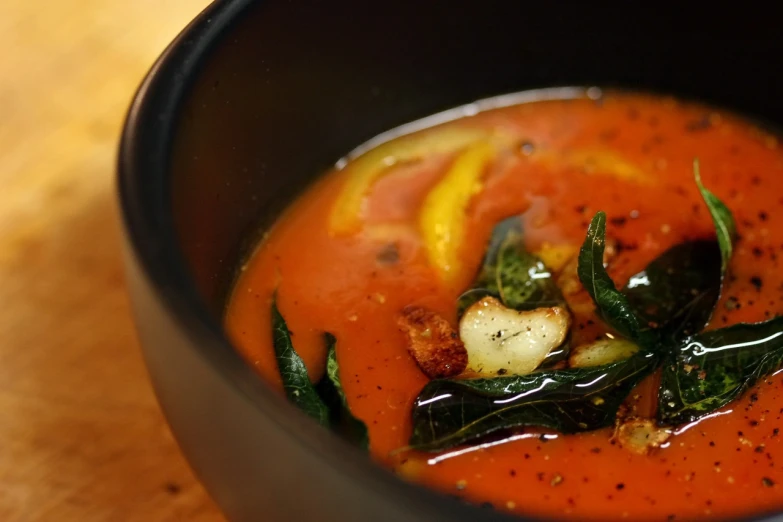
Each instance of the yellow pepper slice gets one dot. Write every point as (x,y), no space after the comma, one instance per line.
(442,217)
(365,170)
(596,161)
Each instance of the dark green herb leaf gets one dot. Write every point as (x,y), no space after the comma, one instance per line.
(473,295)
(448,413)
(725,227)
(331,390)
(612,306)
(716,367)
(522,280)
(558,355)
(298,388)
(677,292)
(512,274)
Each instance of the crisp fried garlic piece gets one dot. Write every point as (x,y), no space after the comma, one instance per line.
(502,341)
(433,342)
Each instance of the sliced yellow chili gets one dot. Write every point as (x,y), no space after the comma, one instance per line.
(596,161)
(365,170)
(443,214)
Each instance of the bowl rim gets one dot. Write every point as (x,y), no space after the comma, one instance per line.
(144,154)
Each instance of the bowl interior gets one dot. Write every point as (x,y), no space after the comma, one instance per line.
(286,92)
(258,98)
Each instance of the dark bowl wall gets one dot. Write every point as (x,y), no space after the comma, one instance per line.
(296,85)
(255,99)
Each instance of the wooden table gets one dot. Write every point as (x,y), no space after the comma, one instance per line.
(81,436)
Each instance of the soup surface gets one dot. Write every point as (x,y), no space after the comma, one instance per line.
(408,224)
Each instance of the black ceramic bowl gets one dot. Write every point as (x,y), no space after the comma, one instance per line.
(255,99)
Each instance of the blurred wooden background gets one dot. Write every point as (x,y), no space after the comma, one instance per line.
(81,437)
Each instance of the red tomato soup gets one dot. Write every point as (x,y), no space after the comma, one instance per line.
(379,251)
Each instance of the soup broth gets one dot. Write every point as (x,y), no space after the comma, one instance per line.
(380,250)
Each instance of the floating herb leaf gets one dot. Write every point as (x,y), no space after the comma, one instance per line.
(331,390)
(703,377)
(677,292)
(512,274)
(326,401)
(473,295)
(298,388)
(716,367)
(725,228)
(612,306)
(448,413)
(515,276)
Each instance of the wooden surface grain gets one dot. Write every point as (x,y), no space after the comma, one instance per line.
(81,436)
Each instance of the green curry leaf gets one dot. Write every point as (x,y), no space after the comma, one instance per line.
(296,382)
(326,401)
(451,412)
(512,274)
(725,227)
(716,367)
(677,292)
(613,307)
(331,390)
